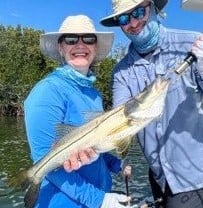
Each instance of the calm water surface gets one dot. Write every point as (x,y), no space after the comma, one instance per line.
(14,154)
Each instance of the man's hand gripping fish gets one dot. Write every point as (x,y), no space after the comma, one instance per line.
(111,130)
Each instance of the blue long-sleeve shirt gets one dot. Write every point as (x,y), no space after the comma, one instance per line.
(173,144)
(64,97)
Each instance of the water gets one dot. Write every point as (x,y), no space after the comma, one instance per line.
(138,184)
(14,154)
(14,157)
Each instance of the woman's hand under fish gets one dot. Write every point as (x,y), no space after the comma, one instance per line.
(80,158)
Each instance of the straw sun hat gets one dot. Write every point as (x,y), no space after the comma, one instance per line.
(79,24)
(123,6)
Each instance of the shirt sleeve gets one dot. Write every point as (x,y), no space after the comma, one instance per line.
(43,108)
(121,92)
(196,77)
(200,81)
(113,163)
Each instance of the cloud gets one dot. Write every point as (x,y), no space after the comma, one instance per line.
(14,14)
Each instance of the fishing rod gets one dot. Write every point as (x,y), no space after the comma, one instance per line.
(126,186)
(190,58)
(147,203)
(183,66)
(126,163)
(189,5)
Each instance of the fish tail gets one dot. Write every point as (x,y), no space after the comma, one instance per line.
(31,195)
(23,181)
(19,181)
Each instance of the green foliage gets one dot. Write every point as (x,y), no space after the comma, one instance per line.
(104,73)
(21,65)
(103,83)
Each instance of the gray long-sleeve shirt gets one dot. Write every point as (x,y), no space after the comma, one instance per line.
(173,144)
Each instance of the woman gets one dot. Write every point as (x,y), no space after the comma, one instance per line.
(64,97)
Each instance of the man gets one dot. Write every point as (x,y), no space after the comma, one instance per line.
(173,145)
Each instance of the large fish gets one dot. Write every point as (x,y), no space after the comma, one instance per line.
(111,130)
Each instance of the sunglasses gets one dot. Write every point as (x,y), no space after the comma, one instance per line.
(72,39)
(137,13)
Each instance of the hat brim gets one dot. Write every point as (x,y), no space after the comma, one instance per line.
(111,21)
(49,44)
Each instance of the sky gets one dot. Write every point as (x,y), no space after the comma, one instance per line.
(47,15)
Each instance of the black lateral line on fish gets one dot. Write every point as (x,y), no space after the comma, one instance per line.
(49,159)
(119,128)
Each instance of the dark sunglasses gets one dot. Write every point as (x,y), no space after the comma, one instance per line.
(137,13)
(72,39)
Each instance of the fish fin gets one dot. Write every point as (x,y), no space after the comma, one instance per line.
(63,129)
(123,146)
(19,181)
(22,181)
(31,195)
